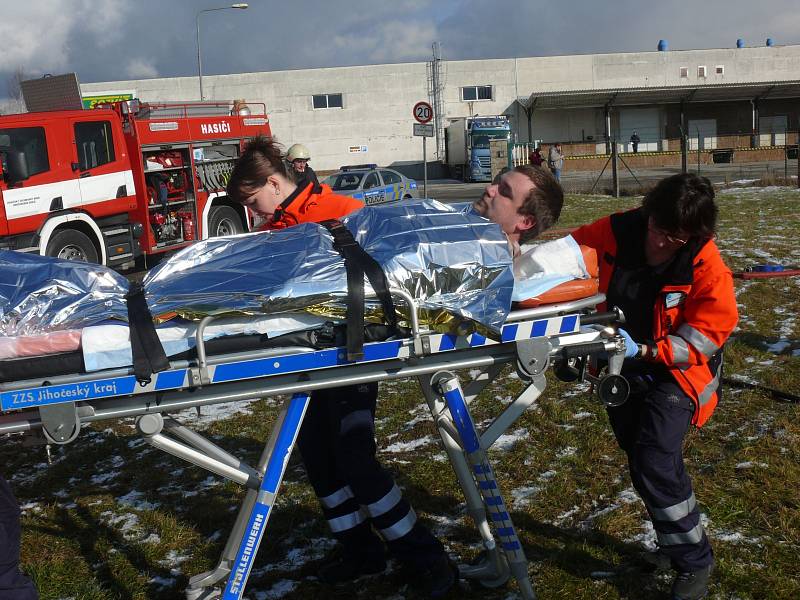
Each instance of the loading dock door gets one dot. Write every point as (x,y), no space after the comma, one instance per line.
(772,130)
(702,134)
(645,122)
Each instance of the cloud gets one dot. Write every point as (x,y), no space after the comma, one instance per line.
(108,40)
(395,41)
(54,36)
(140,68)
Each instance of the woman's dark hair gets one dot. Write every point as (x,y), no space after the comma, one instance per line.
(261,158)
(683,202)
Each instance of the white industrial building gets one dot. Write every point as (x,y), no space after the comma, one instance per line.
(364,114)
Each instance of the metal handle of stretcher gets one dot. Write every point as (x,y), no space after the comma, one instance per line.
(150,399)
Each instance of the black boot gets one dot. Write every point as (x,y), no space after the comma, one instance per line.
(439,578)
(691,585)
(348,567)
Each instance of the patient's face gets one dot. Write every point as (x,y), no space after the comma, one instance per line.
(502,200)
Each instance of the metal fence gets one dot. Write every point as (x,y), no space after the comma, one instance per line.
(615,168)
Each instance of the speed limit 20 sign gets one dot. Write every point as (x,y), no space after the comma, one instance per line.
(423,112)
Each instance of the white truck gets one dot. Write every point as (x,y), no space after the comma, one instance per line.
(468,140)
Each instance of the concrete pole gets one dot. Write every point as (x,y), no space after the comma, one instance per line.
(754,135)
(684,142)
(529,113)
(614,168)
(684,153)
(608,130)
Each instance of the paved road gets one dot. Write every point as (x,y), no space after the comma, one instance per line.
(450,190)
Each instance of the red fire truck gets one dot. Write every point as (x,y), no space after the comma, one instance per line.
(118,183)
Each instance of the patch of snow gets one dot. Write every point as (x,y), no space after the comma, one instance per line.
(408,446)
(213,413)
(547,475)
(173,559)
(521,497)
(749,465)
(278,590)
(734,537)
(628,496)
(163,582)
(778,346)
(127,523)
(566,515)
(153,538)
(101,478)
(565,452)
(134,500)
(507,440)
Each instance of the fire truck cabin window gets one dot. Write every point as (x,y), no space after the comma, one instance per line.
(30,141)
(95,144)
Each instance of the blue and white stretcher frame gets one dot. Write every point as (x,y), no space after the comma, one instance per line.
(58,406)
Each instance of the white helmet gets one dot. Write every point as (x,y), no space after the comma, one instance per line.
(298,151)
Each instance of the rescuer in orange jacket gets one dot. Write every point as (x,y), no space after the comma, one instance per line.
(269,189)
(337,438)
(659,264)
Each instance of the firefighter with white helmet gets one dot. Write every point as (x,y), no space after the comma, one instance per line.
(298,157)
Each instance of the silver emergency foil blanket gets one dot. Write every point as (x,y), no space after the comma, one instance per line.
(39,294)
(448,260)
(451,261)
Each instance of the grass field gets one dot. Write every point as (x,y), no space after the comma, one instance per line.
(112,518)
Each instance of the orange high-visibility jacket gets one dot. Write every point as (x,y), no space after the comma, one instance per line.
(691,322)
(312,204)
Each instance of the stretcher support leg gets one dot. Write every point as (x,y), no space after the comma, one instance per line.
(449,389)
(242,546)
(494,568)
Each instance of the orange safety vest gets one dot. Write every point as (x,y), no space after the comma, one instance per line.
(691,322)
(312,204)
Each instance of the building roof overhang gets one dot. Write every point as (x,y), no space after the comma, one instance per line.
(638,96)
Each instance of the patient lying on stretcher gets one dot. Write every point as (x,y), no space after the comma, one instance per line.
(524,202)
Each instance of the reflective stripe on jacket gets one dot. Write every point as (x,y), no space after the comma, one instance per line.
(313,204)
(691,322)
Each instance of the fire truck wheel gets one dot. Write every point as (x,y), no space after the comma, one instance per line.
(70,244)
(223,220)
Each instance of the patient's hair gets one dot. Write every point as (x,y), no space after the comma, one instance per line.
(261,158)
(543,203)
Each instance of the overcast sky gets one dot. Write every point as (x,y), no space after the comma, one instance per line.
(107,40)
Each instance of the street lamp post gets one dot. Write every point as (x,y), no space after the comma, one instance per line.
(240,5)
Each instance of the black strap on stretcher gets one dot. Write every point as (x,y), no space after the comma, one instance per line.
(358,263)
(148,353)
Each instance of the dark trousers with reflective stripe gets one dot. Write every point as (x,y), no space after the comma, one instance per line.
(359,496)
(13,584)
(650,428)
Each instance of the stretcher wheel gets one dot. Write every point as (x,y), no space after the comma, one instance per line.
(566,370)
(613,390)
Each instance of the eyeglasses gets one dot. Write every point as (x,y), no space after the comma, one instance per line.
(676,241)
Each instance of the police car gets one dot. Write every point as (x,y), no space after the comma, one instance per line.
(372,184)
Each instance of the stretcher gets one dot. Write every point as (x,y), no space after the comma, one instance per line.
(562,335)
